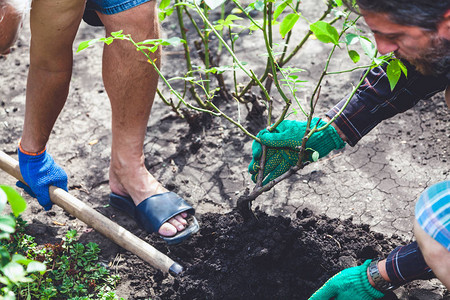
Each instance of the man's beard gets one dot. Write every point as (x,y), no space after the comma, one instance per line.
(433,61)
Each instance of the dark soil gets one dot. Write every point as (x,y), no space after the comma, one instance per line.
(265,258)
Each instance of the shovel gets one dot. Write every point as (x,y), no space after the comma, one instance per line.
(99,222)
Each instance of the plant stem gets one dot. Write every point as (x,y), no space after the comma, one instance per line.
(267,39)
(249,73)
(172,90)
(206,45)
(234,64)
(247,14)
(348,100)
(222,114)
(349,70)
(282,60)
(187,53)
(288,38)
(222,16)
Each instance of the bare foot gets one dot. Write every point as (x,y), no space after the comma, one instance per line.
(139,184)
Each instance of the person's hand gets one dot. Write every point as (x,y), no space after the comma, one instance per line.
(40,172)
(283,144)
(351,283)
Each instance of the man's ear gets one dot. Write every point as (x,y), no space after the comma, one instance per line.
(444,26)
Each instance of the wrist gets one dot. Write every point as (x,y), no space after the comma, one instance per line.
(338,130)
(29,149)
(378,277)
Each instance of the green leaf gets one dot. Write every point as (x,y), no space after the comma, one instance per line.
(280,8)
(338,2)
(108,40)
(3,199)
(214,3)
(4,256)
(288,23)
(18,204)
(257,5)
(4,235)
(351,38)
(228,22)
(14,272)
(117,34)
(325,32)
(236,11)
(36,266)
(85,44)
(254,27)
(173,41)
(7,224)
(369,48)
(393,73)
(354,56)
(164,4)
(162,15)
(315,156)
(20,259)
(402,67)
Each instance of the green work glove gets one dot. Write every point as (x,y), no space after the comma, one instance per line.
(351,283)
(283,145)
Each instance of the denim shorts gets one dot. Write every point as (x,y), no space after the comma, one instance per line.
(107,7)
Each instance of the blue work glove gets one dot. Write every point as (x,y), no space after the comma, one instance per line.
(351,283)
(283,143)
(40,172)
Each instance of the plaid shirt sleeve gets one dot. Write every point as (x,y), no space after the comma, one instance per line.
(374,101)
(406,263)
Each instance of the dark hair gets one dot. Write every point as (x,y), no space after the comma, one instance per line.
(426,14)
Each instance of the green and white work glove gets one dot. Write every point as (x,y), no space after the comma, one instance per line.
(351,283)
(283,143)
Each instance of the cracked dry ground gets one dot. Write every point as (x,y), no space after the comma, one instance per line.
(355,204)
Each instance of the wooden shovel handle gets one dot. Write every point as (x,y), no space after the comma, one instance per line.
(99,222)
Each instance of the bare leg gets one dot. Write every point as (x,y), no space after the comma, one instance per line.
(10,20)
(436,256)
(54,25)
(131,82)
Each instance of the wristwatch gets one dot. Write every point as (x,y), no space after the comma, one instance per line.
(380,283)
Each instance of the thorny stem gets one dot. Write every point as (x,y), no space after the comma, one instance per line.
(194,23)
(271,60)
(247,14)
(222,114)
(259,189)
(349,98)
(325,70)
(172,90)
(288,38)
(349,70)
(187,53)
(222,16)
(267,39)
(169,103)
(234,70)
(206,45)
(249,73)
(283,61)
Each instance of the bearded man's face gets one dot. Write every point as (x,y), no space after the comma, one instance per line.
(428,51)
(433,60)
